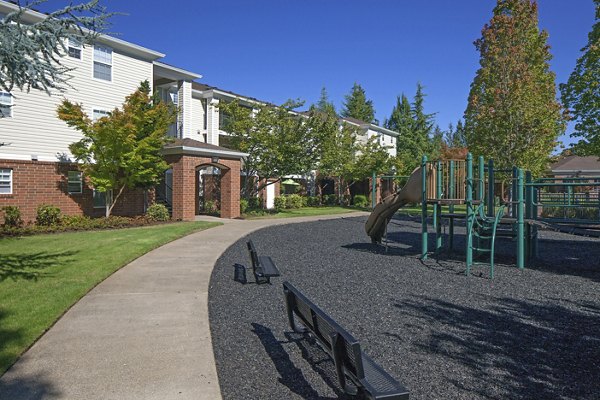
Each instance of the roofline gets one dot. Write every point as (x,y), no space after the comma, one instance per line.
(36,16)
(202,152)
(177,70)
(372,127)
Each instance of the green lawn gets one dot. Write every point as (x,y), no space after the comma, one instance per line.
(304,212)
(42,276)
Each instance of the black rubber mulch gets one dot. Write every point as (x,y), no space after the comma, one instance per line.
(532,334)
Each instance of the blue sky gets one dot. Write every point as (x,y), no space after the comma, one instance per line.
(279,49)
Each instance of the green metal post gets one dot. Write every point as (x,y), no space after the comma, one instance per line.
(491,211)
(374,190)
(424,208)
(528,196)
(437,209)
(515,173)
(481,177)
(469,203)
(520,221)
(451,194)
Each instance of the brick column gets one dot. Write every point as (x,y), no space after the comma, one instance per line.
(230,195)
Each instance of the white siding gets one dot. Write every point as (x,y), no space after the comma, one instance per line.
(197,120)
(35,127)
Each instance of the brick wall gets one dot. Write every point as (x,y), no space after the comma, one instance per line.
(36,183)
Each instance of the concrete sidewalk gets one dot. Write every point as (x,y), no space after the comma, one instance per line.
(142,334)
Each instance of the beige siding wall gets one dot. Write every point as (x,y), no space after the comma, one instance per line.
(35,128)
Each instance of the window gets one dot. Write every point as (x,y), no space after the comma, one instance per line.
(6,181)
(99,199)
(103,63)
(174,97)
(74,49)
(6,103)
(75,182)
(97,114)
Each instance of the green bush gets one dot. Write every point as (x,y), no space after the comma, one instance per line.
(47,215)
(243,206)
(12,217)
(330,200)
(304,201)
(254,203)
(211,207)
(158,212)
(313,201)
(280,203)
(293,201)
(360,200)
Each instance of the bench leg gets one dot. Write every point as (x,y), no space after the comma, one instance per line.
(339,364)
(289,304)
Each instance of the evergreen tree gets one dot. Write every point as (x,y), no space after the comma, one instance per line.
(423,123)
(581,93)
(30,54)
(459,134)
(512,114)
(401,118)
(324,105)
(357,106)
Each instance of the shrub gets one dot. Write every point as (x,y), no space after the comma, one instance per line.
(346,200)
(360,200)
(293,201)
(211,207)
(158,212)
(304,201)
(254,203)
(313,201)
(12,217)
(280,203)
(330,199)
(243,206)
(47,215)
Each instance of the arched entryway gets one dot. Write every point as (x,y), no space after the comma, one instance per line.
(188,158)
(208,188)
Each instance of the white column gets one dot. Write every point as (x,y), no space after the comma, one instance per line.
(184,116)
(212,121)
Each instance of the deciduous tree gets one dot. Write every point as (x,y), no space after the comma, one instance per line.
(121,150)
(512,114)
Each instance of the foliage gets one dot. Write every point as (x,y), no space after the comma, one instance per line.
(324,105)
(254,203)
(357,106)
(243,206)
(293,201)
(280,203)
(330,199)
(30,54)
(47,215)
(211,207)
(415,128)
(122,150)
(371,157)
(512,114)
(313,201)
(12,217)
(279,142)
(581,93)
(360,200)
(158,212)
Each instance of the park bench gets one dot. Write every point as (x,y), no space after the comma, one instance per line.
(365,376)
(263,267)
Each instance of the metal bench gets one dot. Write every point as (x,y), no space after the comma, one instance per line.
(263,267)
(356,372)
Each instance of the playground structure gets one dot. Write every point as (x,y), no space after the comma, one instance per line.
(456,189)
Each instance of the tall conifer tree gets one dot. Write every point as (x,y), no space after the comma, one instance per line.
(512,113)
(324,105)
(357,106)
(581,94)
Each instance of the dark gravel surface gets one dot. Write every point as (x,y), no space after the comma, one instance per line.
(532,334)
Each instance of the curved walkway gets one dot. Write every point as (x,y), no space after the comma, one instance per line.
(143,333)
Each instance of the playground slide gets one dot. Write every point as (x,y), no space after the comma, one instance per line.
(383,212)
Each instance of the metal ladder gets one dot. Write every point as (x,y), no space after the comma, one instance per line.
(482,228)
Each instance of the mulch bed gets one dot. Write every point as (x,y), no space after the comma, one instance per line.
(532,334)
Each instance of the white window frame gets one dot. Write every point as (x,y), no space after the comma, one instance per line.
(99,110)
(78,181)
(72,43)
(102,62)
(10,179)
(9,105)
